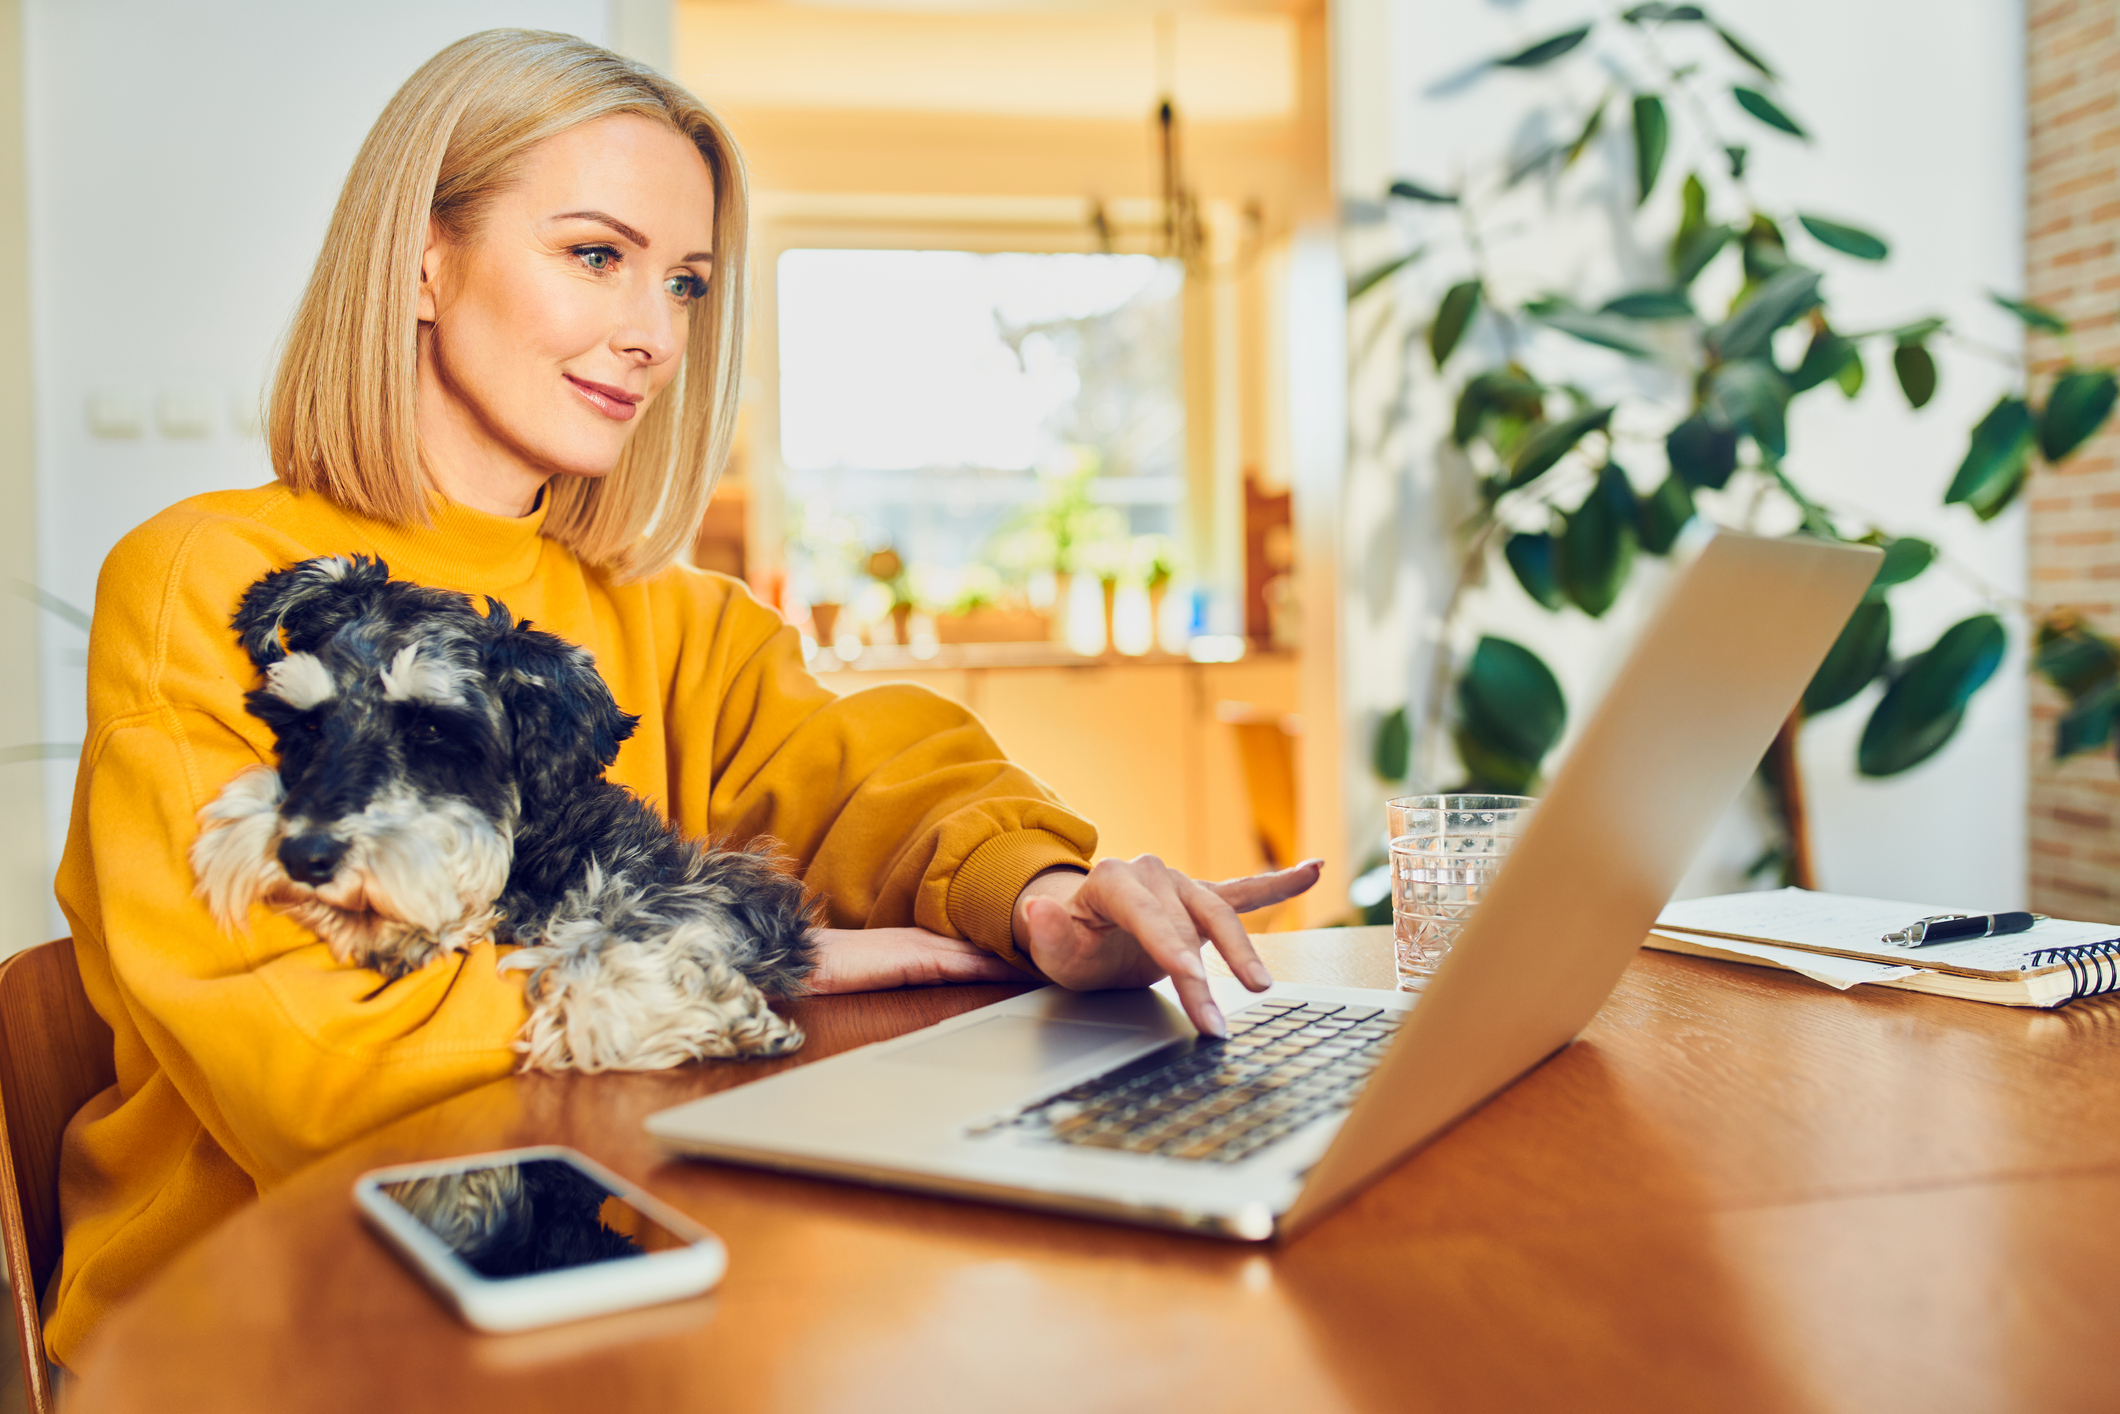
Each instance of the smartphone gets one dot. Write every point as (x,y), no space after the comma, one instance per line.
(531,1237)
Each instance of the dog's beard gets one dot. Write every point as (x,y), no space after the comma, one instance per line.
(419,879)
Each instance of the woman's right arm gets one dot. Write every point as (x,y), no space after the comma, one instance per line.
(282,1052)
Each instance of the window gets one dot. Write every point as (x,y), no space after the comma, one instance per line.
(958,407)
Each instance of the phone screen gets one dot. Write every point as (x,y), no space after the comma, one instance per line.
(539,1215)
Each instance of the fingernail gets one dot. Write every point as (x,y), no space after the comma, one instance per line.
(1258,976)
(1308,863)
(1216,1026)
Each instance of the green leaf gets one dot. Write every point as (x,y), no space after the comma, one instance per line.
(1535,559)
(1598,542)
(1848,240)
(1918,332)
(1392,755)
(1663,513)
(1499,390)
(1665,13)
(1904,559)
(1766,110)
(1926,701)
(1413,191)
(1545,51)
(1692,208)
(1376,275)
(2072,655)
(1851,375)
(1491,772)
(1785,296)
(1765,250)
(1744,51)
(2034,316)
(1650,304)
(1690,254)
(1703,452)
(1996,462)
(1452,318)
(2087,724)
(1735,156)
(1583,139)
(1826,355)
(1855,659)
(1600,329)
(2081,400)
(1917,373)
(1652,134)
(1550,443)
(1510,702)
(1751,397)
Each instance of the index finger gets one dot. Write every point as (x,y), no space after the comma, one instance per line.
(1134,906)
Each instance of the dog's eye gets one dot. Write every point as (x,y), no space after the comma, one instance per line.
(424,734)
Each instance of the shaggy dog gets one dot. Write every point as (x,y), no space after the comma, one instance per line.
(441,781)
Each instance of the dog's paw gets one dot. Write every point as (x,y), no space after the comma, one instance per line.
(641,1006)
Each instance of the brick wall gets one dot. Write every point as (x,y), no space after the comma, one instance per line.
(2071,266)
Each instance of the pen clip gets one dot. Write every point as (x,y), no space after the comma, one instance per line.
(1915,933)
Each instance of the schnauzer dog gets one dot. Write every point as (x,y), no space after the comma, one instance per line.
(441,780)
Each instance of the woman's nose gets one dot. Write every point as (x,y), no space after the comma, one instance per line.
(653,332)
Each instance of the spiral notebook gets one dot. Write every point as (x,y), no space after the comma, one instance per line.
(1838,940)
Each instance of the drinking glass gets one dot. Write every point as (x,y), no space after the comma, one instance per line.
(1445,852)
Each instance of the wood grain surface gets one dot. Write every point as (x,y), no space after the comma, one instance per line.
(1739,1191)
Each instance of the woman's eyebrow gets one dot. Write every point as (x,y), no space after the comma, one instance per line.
(623,229)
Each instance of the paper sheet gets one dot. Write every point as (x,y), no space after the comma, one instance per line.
(1858,925)
(1839,973)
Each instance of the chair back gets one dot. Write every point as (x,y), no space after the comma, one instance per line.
(55,1056)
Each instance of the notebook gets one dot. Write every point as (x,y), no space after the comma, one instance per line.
(1839,940)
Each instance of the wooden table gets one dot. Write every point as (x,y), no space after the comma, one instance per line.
(1740,1191)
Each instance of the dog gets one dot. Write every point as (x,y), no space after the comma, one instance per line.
(441,780)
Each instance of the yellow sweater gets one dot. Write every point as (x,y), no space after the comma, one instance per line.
(241,1058)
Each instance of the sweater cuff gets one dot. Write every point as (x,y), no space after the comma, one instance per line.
(982,897)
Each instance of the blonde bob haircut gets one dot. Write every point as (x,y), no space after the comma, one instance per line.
(342,419)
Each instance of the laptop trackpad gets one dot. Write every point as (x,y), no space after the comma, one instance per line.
(1016,1046)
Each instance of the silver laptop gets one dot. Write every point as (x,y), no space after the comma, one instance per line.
(1109,1104)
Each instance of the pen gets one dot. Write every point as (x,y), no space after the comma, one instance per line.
(1958,927)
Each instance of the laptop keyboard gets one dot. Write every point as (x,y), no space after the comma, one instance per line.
(1285,1064)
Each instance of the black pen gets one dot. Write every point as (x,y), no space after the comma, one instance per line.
(1958,927)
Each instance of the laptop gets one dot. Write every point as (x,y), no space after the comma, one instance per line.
(1109,1104)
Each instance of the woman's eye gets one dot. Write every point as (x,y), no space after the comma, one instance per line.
(597,257)
(685,288)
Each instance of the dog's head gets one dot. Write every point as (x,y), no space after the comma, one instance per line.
(413,733)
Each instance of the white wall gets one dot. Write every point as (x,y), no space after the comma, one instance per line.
(184,156)
(1917,113)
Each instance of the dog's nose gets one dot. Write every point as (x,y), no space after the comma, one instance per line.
(311,859)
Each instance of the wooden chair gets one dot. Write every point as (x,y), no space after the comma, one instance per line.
(1266,747)
(55,1055)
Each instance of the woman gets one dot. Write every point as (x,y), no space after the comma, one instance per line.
(514,373)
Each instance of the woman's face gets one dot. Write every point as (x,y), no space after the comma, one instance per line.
(546,333)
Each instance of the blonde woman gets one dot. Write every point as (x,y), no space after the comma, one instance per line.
(514,373)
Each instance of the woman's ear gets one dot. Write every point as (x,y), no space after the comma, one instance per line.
(431,260)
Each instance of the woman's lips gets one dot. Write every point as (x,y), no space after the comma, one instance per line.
(614,403)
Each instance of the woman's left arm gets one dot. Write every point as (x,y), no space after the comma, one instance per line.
(921,837)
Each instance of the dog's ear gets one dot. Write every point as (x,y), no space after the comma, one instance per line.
(566,724)
(295,609)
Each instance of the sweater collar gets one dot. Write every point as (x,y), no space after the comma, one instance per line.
(460,548)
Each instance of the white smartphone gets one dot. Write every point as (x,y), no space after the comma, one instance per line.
(530,1237)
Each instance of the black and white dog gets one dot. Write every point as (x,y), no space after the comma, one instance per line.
(441,781)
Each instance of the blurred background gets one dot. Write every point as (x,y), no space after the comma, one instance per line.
(1115,373)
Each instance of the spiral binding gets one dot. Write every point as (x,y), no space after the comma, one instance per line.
(2094,968)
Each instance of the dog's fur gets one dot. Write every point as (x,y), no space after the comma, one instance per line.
(441,781)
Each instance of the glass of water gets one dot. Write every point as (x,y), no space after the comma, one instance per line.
(1445,851)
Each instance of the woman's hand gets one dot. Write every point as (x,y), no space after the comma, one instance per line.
(873,959)
(1131,922)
